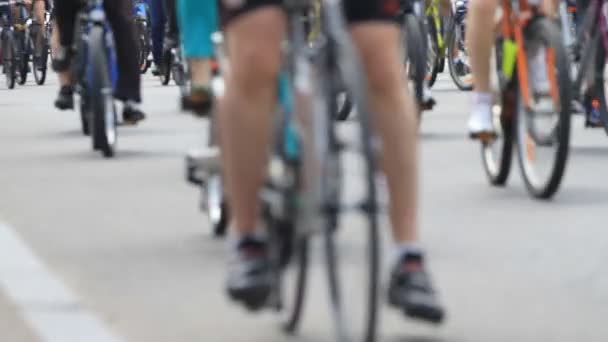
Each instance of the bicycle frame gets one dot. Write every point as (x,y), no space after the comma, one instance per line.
(516,14)
(432,12)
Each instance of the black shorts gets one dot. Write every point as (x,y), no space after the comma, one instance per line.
(355,10)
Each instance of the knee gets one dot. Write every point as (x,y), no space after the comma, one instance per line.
(384,72)
(254,67)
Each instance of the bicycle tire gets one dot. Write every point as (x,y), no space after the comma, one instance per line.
(416,43)
(23,59)
(497,162)
(434,56)
(355,81)
(85,115)
(165,75)
(300,256)
(547,32)
(344,107)
(101,95)
(452,41)
(9,60)
(39,67)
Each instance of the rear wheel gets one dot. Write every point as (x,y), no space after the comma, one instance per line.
(165,75)
(543,131)
(8,52)
(416,66)
(433,53)
(23,57)
(40,51)
(458,57)
(101,95)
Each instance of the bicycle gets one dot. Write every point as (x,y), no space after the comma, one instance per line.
(174,65)
(96,71)
(415,42)
(9,65)
(520,109)
(21,28)
(589,59)
(39,45)
(447,41)
(301,197)
(144,33)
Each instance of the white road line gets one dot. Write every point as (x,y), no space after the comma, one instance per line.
(47,305)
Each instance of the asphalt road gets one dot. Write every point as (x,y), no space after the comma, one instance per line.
(124,237)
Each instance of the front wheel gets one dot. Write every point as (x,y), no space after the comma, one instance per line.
(103,121)
(8,60)
(23,58)
(543,126)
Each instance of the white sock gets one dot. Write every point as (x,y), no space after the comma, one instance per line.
(482,97)
(405,248)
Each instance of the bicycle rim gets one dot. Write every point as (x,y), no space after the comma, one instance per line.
(543,132)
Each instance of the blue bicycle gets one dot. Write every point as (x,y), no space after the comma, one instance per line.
(143,24)
(96,70)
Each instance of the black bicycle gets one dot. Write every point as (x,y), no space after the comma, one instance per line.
(40,47)
(173,65)
(9,65)
(415,42)
(22,42)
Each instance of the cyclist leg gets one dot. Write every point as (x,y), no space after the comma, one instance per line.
(481,28)
(377,34)
(120,16)
(480,36)
(172,28)
(254,32)
(159,19)
(198,20)
(65,19)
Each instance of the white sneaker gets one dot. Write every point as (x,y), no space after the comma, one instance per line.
(481,123)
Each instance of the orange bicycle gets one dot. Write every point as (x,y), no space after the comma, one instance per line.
(533,93)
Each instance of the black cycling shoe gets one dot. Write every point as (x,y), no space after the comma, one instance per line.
(65,98)
(132,115)
(249,274)
(199,101)
(411,291)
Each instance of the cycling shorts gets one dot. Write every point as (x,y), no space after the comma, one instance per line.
(355,10)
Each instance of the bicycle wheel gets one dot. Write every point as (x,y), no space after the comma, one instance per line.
(8,57)
(167,63)
(497,154)
(40,51)
(294,279)
(143,50)
(416,63)
(354,318)
(23,58)
(433,53)
(543,131)
(458,57)
(101,98)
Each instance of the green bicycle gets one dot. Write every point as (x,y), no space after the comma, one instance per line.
(448,44)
